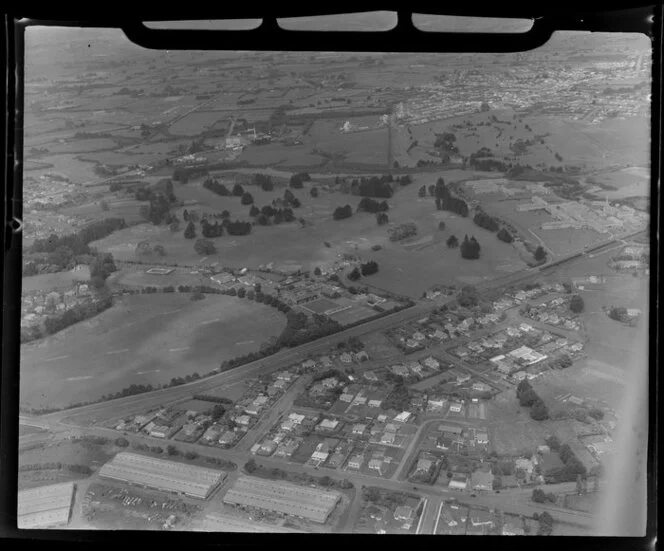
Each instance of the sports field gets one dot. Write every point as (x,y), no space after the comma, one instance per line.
(143,339)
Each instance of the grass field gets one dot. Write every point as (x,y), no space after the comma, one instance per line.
(142,340)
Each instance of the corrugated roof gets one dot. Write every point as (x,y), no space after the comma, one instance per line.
(283,497)
(45,506)
(162,474)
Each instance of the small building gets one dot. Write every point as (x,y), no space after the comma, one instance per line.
(403,417)
(243,420)
(297,418)
(388,438)
(227,438)
(482,481)
(370,376)
(456,407)
(328,424)
(510,529)
(346,358)
(424,465)
(403,512)
(376,465)
(361,356)
(345,397)
(462,378)
(458,482)
(482,437)
(431,363)
(481,387)
(359,428)
(355,462)
(374,403)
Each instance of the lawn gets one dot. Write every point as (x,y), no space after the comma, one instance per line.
(143,339)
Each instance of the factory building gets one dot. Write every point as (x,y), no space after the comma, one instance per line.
(168,476)
(45,507)
(282,497)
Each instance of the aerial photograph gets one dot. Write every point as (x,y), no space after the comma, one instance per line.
(322,292)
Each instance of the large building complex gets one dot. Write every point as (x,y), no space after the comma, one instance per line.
(282,497)
(45,507)
(160,474)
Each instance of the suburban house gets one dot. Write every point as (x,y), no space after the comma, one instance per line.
(243,420)
(376,465)
(479,517)
(403,417)
(423,465)
(355,462)
(450,429)
(345,397)
(370,376)
(297,418)
(436,404)
(456,407)
(361,356)
(510,529)
(481,387)
(359,428)
(346,358)
(309,364)
(403,512)
(374,403)
(388,438)
(328,424)
(481,437)
(458,482)
(482,481)
(431,363)
(444,443)
(462,378)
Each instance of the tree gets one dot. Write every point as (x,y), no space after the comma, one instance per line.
(247,198)
(144,211)
(539,496)
(317,271)
(354,275)
(452,242)
(497,483)
(539,411)
(121,442)
(254,211)
(576,304)
(505,236)
(190,231)
(369,268)
(204,247)
(238,190)
(171,450)
(104,205)
(342,212)
(441,226)
(191,455)
(545,524)
(382,218)
(159,250)
(540,254)
(314,192)
(470,248)
(241,292)
(422,191)
(250,466)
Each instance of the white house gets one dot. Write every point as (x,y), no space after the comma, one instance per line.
(403,417)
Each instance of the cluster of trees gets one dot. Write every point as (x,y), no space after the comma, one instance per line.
(619,313)
(73,315)
(374,186)
(365,269)
(483,220)
(145,249)
(297,180)
(398,399)
(540,254)
(216,187)
(300,329)
(160,198)
(445,142)
(58,466)
(342,212)
(128,391)
(545,524)
(468,297)
(381,220)
(402,231)
(369,205)
(247,198)
(540,496)
(264,181)
(452,242)
(78,242)
(269,214)
(446,201)
(528,398)
(483,160)
(470,248)
(211,230)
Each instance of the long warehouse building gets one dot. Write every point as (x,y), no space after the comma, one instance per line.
(282,497)
(45,507)
(169,476)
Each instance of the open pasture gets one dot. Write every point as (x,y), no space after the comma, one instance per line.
(142,339)
(78,170)
(83,146)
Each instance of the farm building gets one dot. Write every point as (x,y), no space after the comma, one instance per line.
(45,507)
(225,523)
(282,497)
(163,475)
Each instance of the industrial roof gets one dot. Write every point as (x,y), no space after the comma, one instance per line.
(45,506)
(162,474)
(283,497)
